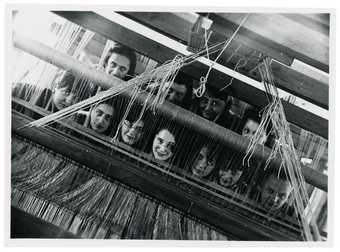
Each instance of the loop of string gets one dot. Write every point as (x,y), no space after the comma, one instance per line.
(201,89)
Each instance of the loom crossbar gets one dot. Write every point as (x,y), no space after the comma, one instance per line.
(171,111)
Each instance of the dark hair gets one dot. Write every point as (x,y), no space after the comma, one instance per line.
(68,80)
(219,94)
(125,51)
(81,87)
(214,151)
(108,102)
(249,114)
(184,80)
(132,117)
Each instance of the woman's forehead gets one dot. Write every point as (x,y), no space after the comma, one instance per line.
(105,108)
(166,135)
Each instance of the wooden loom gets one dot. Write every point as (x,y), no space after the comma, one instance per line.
(254,231)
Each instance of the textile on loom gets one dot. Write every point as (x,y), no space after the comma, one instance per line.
(115,212)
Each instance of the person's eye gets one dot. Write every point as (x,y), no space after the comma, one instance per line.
(246,131)
(99,112)
(123,69)
(160,140)
(200,156)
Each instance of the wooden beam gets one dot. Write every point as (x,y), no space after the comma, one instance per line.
(286,78)
(169,189)
(156,50)
(178,25)
(300,85)
(296,40)
(311,21)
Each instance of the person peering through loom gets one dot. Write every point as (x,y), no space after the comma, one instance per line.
(206,160)
(120,62)
(234,171)
(214,106)
(100,118)
(179,90)
(163,143)
(134,127)
(67,90)
(273,192)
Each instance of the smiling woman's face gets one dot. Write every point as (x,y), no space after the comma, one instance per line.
(203,164)
(162,146)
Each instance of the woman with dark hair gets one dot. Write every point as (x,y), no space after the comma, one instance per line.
(68,90)
(214,106)
(120,62)
(250,123)
(163,144)
(99,118)
(180,92)
(205,161)
(134,127)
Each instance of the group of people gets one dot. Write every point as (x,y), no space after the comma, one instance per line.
(164,141)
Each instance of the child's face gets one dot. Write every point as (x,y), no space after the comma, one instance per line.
(228,178)
(250,129)
(203,164)
(62,97)
(162,146)
(132,132)
(275,193)
(101,117)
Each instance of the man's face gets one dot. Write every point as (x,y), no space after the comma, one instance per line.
(228,178)
(162,146)
(132,132)
(250,129)
(118,65)
(176,93)
(275,193)
(211,107)
(203,164)
(62,97)
(101,117)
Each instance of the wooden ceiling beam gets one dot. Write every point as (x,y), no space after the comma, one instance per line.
(295,39)
(178,26)
(161,53)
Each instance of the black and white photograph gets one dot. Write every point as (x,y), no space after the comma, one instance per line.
(195,124)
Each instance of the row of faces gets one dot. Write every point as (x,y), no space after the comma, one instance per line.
(164,142)
(274,194)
